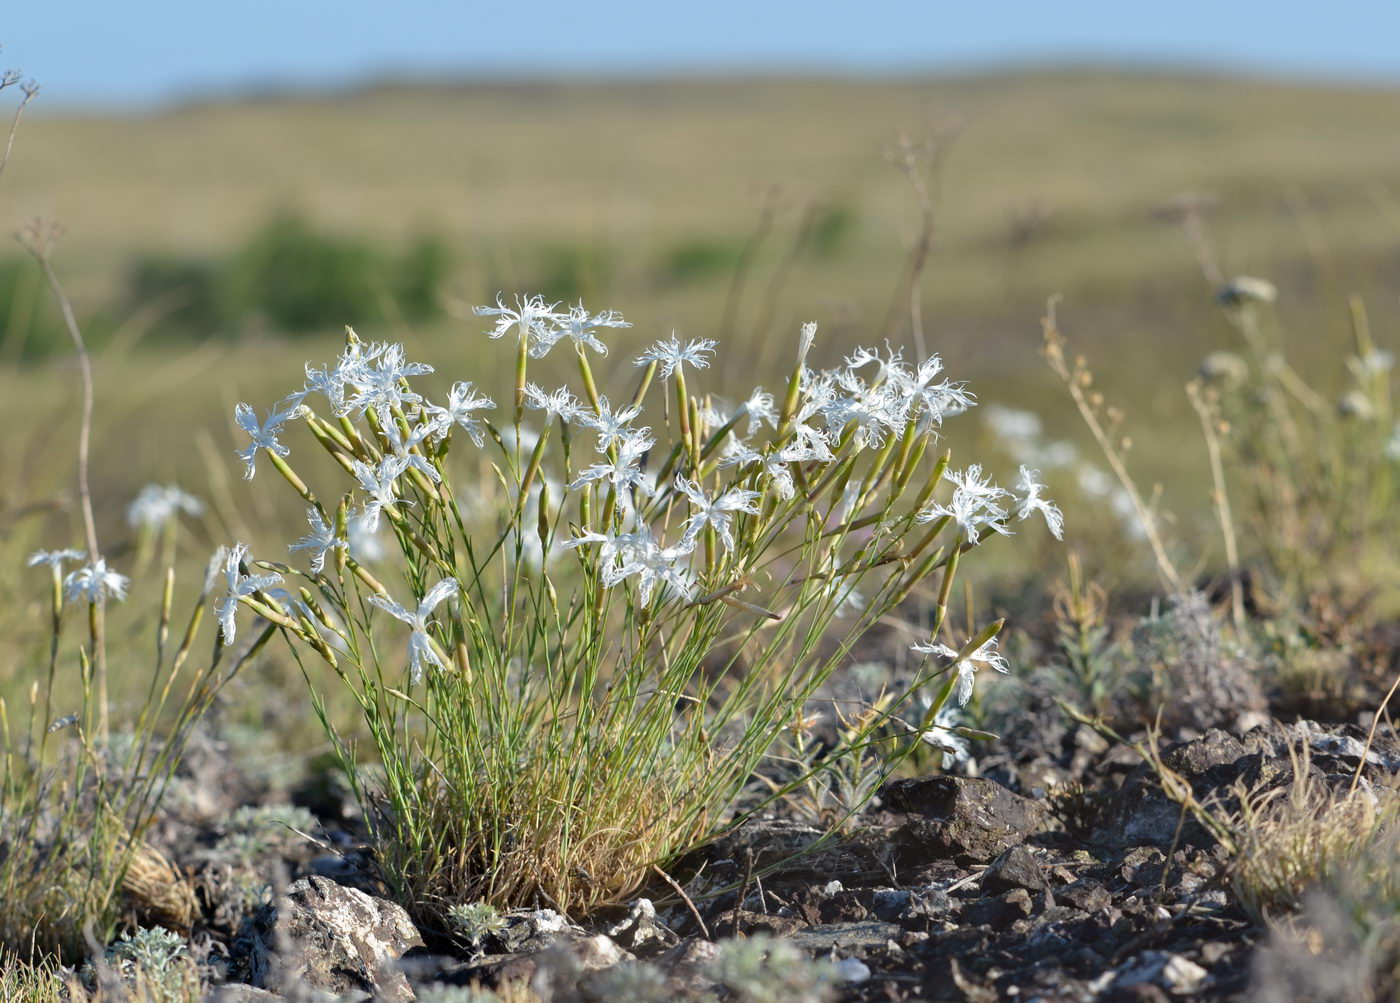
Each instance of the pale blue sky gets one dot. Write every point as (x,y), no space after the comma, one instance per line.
(135,52)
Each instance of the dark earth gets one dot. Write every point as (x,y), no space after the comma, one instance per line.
(1050,877)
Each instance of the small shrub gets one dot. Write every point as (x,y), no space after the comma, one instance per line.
(295,276)
(763,969)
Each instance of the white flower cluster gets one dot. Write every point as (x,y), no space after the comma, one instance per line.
(876,399)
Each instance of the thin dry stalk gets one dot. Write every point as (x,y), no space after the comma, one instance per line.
(1220,496)
(1075,380)
(38,237)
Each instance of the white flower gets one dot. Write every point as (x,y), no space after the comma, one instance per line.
(462,400)
(240,586)
(156,505)
(1032,502)
(55,558)
(973,506)
(403,445)
(717,512)
(760,407)
(420,648)
(366,545)
(672,354)
(94,581)
(383,386)
(321,539)
(611,427)
(560,404)
(579,325)
(775,466)
(872,411)
(986,654)
(942,736)
(932,402)
(264,435)
(379,483)
(623,472)
(533,319)
(1243,288)
(1012,424)
(626,554)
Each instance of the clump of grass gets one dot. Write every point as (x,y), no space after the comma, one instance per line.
(608,627)
(1305,836)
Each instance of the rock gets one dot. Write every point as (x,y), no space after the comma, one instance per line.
(1214,748)
(999,911)
(968,818)
(746,922)
(640,930)
(1086,895)
(1014,868)
(687,964)
(332,938)
(852,971)
(854,937)
(529,932)
(241,992)
(1167,971)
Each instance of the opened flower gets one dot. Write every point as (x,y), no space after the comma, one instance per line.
(420,646)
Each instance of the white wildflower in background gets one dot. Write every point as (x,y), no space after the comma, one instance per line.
(420,647)
(319,541)
(1032,502)
(985,655)
(578,324)
(378,483)
(155,505)
(1246,288)
(365,545)
(671,355)
(1012,425)
(462,400)
(240,586)
(974,504)
(533,319)
(55,558)
(264,434)
(561,404)
(94,582)
(717,512)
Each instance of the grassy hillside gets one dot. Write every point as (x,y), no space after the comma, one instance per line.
(644,195)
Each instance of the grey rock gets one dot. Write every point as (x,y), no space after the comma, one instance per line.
(1014,868)
(845,936)
(967,818)
(325,936)
(241,992)
(640,929)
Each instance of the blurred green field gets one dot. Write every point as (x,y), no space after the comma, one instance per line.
(645,196)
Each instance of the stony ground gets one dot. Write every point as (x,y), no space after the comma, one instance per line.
(951,888)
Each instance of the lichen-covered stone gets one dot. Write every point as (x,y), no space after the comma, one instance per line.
(325,936)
